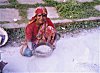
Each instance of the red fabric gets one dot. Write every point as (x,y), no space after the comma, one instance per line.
(39,10)
(31,30)
(49,31)
(50,23)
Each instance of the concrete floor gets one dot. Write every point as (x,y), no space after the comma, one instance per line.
(76,54)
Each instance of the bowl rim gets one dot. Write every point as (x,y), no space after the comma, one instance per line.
(36,53)
(3,32)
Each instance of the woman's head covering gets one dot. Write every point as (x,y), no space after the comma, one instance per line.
(45,10)
(38,10)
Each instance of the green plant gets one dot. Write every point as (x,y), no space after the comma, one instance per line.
(78,25)
(15,34)
(77,10)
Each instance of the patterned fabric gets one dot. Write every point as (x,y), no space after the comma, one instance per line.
(46,34)
(31,31)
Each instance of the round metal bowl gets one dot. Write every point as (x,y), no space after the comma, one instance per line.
(4,34)
(43,50)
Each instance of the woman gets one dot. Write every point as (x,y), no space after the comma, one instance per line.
(40,29)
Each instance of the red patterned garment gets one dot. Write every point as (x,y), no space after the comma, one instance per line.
(44,34)
(40,33)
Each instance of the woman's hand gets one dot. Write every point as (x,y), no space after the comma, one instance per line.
(30,45)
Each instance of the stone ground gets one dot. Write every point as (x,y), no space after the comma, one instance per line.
(85,0)
(10,14)
(75,0)
(97,7)
(52,12)
(73,54)
(4,2)
(30,1)
(61,0)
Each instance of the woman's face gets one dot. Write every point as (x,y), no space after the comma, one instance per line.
(39,18)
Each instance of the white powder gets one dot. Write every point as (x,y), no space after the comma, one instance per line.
(43,48)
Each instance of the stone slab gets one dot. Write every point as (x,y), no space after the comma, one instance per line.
(9,14)
(13,25)
(4,2)
(85,0)
(30,1)
(76,0)
(97,7)
(52,12)
(61,0)
(56,22)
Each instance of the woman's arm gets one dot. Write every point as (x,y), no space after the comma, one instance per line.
(28,35)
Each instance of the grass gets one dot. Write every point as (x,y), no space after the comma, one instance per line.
(70,27)
(18,33)
(4,22)
(76,10)
(15,34)
(71,9)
